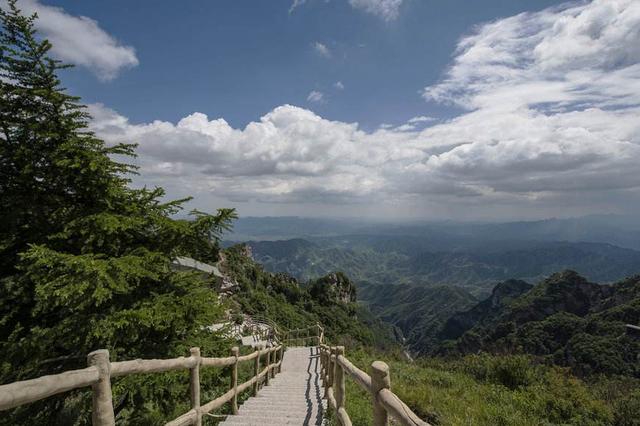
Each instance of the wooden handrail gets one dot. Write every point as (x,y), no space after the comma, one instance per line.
(26,391)
(298,340)
(385,403)
(98,375)
(334,364)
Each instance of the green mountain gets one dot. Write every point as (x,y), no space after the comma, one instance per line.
(484,311)
(564,319)
(418,313)
(329,300)
(383,259)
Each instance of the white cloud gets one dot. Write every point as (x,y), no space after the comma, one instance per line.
(322,49)
(385,9)
(296,4)
(338,85)
(80,40)
(539,132)
(554,99)
(388,10)
(315,96)
(420,119)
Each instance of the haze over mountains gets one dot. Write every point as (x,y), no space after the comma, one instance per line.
(623,231)
(436,281)
(472,255)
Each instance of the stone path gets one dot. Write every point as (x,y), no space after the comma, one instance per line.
(293,397)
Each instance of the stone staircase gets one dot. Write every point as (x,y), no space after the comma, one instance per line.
(293,397)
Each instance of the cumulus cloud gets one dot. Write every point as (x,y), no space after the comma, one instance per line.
(315,96)
(385,9)
(554,101)
(80,40)
(538,130)
(322,49)
(338,85)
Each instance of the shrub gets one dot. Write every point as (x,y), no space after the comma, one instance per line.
(511,371)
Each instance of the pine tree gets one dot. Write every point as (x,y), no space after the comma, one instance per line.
(85,260)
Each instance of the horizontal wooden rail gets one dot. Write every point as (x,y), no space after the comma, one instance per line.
(384,402)
(98,375)
(304,336)
(359,376)
(397,408)
(143,366)
(24,392)
(334,365)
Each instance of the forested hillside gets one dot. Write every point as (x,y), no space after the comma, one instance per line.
(417,313)
(565,319)
(291,304)
(457,261)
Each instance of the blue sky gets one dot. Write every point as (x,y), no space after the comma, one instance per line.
(424,109)
(239,59)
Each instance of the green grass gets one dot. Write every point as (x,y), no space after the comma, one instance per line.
(491,390)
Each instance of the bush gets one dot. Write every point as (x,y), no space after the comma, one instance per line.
(511,371)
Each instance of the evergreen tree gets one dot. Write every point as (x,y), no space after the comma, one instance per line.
(85,260)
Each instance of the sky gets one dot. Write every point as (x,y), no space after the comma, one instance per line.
(406,109)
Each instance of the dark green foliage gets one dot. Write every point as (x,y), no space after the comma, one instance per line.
(566,320)
(85,261)
(512,371)
(333,288)
(417,312)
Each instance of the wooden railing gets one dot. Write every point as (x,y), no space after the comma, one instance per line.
(384,402)
(100,371)
(306,336)
(333,362)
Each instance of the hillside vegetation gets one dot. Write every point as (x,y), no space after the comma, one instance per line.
(291,304)
(566,320)
(507,390)
(450,260)
(417,313)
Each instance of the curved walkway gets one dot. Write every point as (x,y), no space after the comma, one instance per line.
(293,397)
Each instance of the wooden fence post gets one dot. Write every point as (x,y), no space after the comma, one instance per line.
(194,385)
(330,367)
(338,380)
(275,361)
(266,383)
(380,379)
(234,381)
(102,411)
(281,358)
(256,371)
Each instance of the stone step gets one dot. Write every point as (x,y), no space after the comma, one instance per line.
(272,406)
(293,397)
(291,412)
(272,421)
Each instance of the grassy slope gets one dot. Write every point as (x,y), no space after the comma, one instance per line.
(487,390)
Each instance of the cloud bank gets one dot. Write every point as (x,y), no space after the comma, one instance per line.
(80,40)
(552,119)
